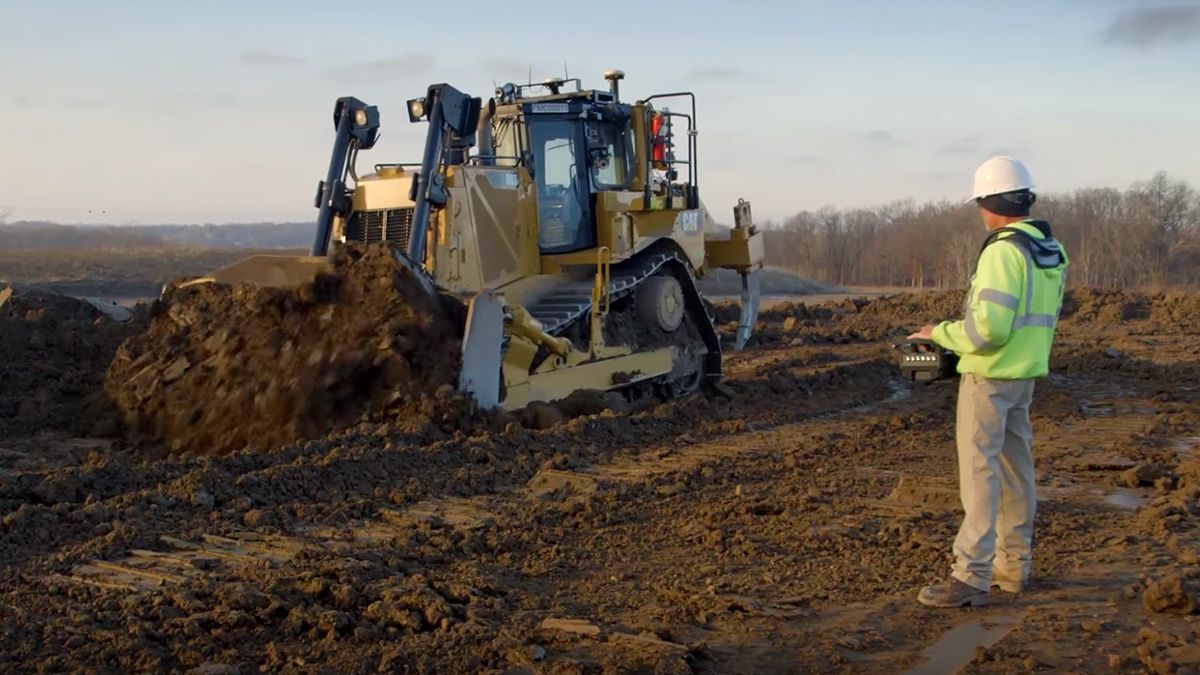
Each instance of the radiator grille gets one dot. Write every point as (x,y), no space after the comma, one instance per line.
(393,225)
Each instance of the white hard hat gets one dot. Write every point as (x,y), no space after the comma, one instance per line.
(999,175)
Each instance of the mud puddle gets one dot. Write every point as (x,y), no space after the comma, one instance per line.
(958,646)
(1128,500)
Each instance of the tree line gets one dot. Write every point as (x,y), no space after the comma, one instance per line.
(1147,236)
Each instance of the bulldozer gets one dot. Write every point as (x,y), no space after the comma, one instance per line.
(570,223)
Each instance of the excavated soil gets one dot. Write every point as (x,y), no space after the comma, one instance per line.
(53,353)
(222,367)
(782,524)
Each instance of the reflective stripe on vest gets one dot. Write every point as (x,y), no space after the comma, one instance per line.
(1029,318)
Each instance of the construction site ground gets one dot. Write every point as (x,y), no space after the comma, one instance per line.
(782,524)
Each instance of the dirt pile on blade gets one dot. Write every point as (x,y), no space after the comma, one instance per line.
(53,352)
(222,368)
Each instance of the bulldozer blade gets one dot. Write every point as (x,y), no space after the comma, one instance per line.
(750,296)
(289,271)
(481,349)
(271,271)
(110,309)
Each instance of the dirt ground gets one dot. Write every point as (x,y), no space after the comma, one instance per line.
(784,525)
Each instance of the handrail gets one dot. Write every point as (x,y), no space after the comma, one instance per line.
(601,294)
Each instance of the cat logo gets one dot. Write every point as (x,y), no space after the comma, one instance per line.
(504,180)
(688,221)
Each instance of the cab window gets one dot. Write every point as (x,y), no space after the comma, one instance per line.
(562,201)
(608,155)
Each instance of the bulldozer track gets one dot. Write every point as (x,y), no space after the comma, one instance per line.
(563,307)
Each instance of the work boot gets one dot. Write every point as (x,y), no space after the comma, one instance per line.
(952,593)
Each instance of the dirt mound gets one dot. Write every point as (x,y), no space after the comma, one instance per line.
(847,321)
(927,307)
(892,317)
(221,368)
(53,352)
(1171,310)
(1104,306)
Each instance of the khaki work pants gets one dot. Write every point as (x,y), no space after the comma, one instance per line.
(996,481)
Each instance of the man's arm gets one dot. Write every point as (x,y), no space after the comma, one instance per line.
(998,287)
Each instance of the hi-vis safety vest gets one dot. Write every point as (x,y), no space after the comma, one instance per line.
(1013,305)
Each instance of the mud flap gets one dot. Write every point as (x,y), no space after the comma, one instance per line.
(481,349)
(750,298)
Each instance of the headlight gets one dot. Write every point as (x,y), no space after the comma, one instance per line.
(416,109)
(360,117)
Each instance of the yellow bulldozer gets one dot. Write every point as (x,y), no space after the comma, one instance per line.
(568,220)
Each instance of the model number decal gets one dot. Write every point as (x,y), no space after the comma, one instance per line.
(551,108)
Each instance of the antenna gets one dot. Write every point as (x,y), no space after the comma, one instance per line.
(530,79)
(566,76)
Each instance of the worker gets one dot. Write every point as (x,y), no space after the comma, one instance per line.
(1003,343)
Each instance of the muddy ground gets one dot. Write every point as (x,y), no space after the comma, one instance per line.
(783,526)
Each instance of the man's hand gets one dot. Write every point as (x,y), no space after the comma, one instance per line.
(926,333)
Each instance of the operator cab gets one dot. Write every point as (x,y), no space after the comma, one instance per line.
(575,145)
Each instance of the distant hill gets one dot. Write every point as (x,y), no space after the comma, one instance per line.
(250,235)
(32,235)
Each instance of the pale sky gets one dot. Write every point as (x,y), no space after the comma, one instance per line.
(149,111)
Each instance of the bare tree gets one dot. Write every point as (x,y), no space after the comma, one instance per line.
(1146,235)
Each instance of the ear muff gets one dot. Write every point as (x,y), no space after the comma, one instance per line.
(1011,204)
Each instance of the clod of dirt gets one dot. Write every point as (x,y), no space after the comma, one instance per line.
(1170,595)
(1189,474)
(223,367)
(1143,474)
(591,402)
(542,415)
